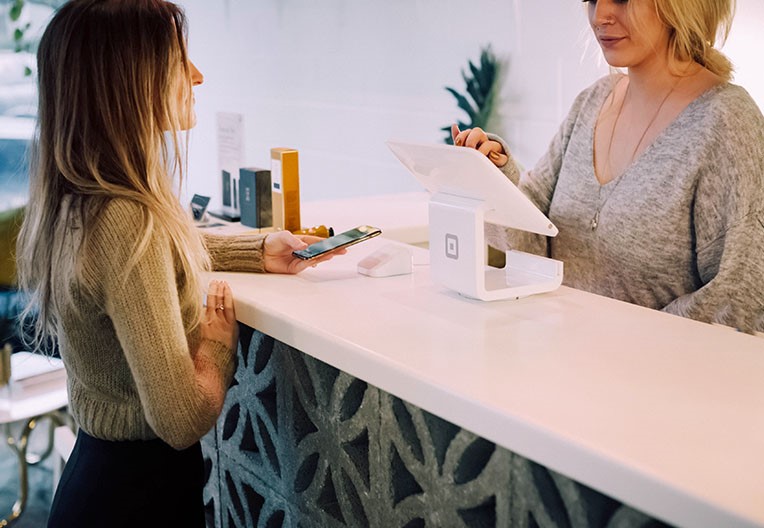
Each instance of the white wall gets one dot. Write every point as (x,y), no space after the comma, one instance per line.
(337,78)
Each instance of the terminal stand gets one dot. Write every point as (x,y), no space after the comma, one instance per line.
(458,255)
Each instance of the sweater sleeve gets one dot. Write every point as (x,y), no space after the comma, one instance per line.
(144,309)
(236,252)
(538,184)
(732,270)
(728,220)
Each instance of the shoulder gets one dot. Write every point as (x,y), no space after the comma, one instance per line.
(727,128)
(595,94)
(734,126)
(728,113)
(120,215)
(123,227)
(587,104)
(604,85)
(730,96)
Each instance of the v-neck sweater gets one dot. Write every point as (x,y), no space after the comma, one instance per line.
(680,230)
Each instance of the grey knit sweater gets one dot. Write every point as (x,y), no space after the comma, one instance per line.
(681,230)
(129,357)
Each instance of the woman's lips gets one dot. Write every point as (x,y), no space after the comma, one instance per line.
(609,42)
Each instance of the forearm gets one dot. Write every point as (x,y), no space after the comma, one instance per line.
(236,252)
(731,268)
(198,401)
(510,169)
(214,365)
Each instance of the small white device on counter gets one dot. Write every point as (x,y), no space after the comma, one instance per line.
(387,261)
(468,190)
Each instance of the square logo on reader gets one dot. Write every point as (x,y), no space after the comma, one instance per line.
(452,246)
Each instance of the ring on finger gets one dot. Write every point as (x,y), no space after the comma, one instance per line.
(220,307)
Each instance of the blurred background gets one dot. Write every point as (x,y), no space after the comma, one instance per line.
(335,79)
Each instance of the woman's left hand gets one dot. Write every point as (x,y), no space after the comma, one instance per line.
(278,252)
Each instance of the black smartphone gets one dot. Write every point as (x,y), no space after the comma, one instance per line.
(348,238)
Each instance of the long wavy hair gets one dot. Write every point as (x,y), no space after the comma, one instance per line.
(114,95)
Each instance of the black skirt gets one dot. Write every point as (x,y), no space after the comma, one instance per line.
(132,483)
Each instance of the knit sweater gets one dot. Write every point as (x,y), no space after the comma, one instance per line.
(131,362)
(681,230)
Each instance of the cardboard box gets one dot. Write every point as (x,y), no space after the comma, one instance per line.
(285,189)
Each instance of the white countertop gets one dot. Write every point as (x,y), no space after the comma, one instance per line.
(662,413)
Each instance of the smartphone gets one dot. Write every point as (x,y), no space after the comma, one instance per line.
(348,238)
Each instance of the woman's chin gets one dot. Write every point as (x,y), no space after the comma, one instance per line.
(614,59)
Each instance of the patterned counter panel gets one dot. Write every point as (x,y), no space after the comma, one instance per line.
(301,444)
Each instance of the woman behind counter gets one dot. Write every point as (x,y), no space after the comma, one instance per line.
(113,262)
(656,178)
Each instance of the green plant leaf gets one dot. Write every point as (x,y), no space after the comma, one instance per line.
(477,74)
(15,11)
(488,61)
(473,88)
(480,82)
(27,71)
(448,140)
(462,102)
(18,35)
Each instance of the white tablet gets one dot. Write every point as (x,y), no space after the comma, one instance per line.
(465,172)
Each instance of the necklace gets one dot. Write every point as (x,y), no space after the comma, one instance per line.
(596,218)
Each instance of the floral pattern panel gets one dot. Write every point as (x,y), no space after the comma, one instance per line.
(301,444)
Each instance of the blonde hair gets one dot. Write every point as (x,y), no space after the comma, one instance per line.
(109,74)
(696,27)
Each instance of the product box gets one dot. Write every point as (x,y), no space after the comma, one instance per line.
(255,197)
(285,189)
(227,201)
(230,193)
(230,210)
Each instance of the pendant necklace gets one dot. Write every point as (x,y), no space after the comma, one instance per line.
(596,218)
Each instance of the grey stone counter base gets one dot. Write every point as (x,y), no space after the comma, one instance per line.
(301,444)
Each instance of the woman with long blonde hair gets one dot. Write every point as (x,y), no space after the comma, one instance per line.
(112,264)
(656,178)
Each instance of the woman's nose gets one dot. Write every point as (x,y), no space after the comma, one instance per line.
(196,76)
(603,13)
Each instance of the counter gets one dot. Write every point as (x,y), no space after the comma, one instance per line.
(659,412)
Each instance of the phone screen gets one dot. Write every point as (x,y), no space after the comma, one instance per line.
(348,238)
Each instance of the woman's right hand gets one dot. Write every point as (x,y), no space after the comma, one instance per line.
(476,138)
(220,317)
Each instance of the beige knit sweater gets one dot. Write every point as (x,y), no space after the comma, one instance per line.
(134,371)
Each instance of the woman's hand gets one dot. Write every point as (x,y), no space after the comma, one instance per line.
(220,317)
(477,139)
(278,252)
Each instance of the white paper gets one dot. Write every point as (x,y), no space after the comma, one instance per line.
(230,132)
